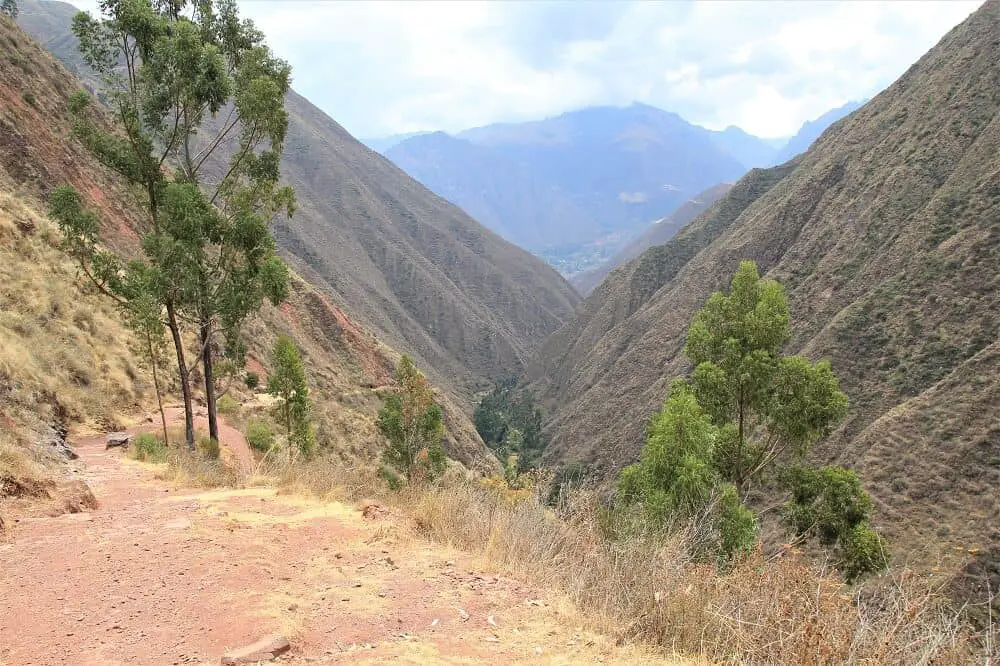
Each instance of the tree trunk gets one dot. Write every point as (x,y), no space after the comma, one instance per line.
(156,385)
(206,359)
(175,333)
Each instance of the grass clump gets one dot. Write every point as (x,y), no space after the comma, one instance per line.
(259,436)
(149,448)
(649,588)
(209,448)
(227,405)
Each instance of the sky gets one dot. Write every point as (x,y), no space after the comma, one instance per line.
(383,67)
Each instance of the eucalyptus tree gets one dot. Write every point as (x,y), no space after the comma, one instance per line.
(195,92)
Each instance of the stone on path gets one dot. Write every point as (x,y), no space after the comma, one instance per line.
(263,650)
(120,439)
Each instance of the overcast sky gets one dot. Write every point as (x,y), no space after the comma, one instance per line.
(382,67)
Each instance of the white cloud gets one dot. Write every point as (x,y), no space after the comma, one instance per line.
(386,67)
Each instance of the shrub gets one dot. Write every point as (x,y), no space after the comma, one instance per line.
(209,448)
(29,98)
(149,448)
(412,423)
(830,503)
(227,405)
(252,380)
(259,436)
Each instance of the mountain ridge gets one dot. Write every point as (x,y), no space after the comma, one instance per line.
(410,266)
(884,233)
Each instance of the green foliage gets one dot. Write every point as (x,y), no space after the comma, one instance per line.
(228,405)
(208,257)
(259,436)
(392,477)
(209,448)
(412,423)
(511,425)
(9,7)
(29,98)
(744,407)
(149,448)
(252,380)
(830,503)
(287,383)
(863,551)
(676,480)
(766,404)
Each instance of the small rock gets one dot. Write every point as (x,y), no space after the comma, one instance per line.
(265,649)
(118,439)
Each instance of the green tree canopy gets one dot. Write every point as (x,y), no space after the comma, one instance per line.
(9,7)
(186,82)
(744,407)
(830,503)
(506,409)
(412,423)
(676,480)
(287,383)
(766,404)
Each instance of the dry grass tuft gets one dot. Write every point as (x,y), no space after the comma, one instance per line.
(647,589)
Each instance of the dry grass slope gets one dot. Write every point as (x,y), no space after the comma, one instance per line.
(66,360)
(886,235)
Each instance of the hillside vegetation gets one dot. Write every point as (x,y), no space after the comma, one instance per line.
(66,358)
(409,266)
(885,234)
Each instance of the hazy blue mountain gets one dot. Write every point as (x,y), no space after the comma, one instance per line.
(576,187)
(658,233)
(504,194)
(382,144)
(749,150)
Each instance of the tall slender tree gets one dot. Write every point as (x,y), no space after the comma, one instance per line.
(171,71)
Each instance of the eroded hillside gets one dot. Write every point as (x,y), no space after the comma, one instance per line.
(66,357)
(406,264)
(887,236)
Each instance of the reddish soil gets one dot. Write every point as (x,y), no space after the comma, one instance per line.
(160,575)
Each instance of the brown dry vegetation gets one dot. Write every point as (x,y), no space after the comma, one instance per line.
(886,236)
(646,590)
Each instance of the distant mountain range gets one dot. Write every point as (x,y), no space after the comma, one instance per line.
(577,188)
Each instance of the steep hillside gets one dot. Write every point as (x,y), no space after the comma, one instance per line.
(435,283)
(416,270)
(65,356)
(886,234)
(658,233)
(505,194)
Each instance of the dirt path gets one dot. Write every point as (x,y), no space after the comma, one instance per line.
(158,575)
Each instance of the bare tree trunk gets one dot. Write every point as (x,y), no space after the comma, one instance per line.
(175,333)
(156,385)
(206,359)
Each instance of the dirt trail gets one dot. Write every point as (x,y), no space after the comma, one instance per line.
(158,575)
